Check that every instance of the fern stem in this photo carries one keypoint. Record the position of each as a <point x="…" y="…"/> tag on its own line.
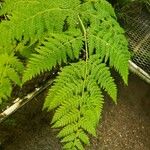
<point x="86" y="51"/>
<point x="85" y="76"/>
<point x="85" y="37"/>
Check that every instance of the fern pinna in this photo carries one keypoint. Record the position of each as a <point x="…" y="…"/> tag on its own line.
<point x="10" y="68"/>
<point x="85" y="38"/>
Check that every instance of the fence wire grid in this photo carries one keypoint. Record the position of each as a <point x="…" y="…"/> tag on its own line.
<point x="137" y="25"/>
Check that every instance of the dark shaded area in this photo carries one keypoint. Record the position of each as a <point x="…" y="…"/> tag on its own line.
<point x="124" y="126"/>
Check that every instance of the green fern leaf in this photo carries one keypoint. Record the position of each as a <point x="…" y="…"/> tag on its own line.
<point x="5" y="90"/>
<point x="10" y="70"/>
<point x="32" y="18"/>
<point x="55" y="51"/>
<point x="76" y="110"/>
<point x="83" y="137"/>
<point x="66" y="107"/>
<point x="69" y="118"/>
<point x="69" y="129"/>
<point x="69" y="138"/>
<point x="13" y="75"/>
<point x="78" y="144"/>
<point x="88" y="126"/>
<point x="103" y="37"/>
<point x="68" y="145"/>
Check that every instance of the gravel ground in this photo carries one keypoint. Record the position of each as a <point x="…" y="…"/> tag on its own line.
<point x="125" y="126"/>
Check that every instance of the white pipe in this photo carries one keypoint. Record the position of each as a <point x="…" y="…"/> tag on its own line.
<point x="140" y="72"/>
<point x="18" y="103"/>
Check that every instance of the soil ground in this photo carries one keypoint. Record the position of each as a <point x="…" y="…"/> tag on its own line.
<point x="125" y="126"/>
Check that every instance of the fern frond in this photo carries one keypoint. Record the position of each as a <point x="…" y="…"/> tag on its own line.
<point x="53" y="51"/>
<point x="10" y="70"/>
<point x="103" y="76"/>
<point x="78" y="101"/>
<point x="32" y="18"/>
<point x="104" y="35"/>
<point x="107" y="39"/>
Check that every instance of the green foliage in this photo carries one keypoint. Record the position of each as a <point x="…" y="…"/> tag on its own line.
<point x="78" y="100"/>
<point x="10" y="68"/>
<point x="83" y="36"/>
<point x="54" y="50"/>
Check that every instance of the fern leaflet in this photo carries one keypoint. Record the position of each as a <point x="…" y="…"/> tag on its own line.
<point x="10" y="70"/>
<point x="54" y="50"/>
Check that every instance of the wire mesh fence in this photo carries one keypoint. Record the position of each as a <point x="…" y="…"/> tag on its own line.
<point x="137" y="25"/>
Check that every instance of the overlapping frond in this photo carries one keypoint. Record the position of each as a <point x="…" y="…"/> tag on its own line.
<point x="10" y="69"/>
<point x="55" y="49"/>
<point x="30" y="19"/>
<point x="108" y="40"/>
<point x="78" y="100"/>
